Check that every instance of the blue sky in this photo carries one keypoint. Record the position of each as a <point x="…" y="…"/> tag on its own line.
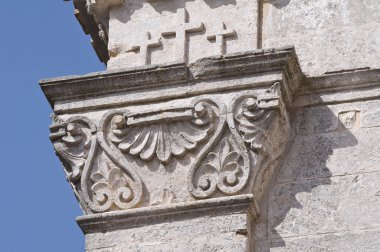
<point x="38" y="39"/>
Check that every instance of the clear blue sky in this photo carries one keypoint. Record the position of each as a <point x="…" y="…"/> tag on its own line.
<point x="38" y="39"/>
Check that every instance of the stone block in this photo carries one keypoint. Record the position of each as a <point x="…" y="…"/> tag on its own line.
<point x="333" y="154"/>
<point x="316" y="120"/>
<point x="205" y="233"/>
<point x="334" y="49"/>
<point x="294" y="16"/>
<point x="346" y="116"/>
<point x="328" y="35"/>
<point x="320" y="206"/>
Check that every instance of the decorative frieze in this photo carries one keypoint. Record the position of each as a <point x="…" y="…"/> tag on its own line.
<point x="226" y="142"/>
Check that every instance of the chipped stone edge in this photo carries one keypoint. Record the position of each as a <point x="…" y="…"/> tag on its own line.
<point x="166" y="75"/>
<point x="140" y="216"/>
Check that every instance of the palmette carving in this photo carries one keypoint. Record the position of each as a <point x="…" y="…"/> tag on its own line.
<point x="258" y="121"/>
<point x="105" y="186"/>
<point x="222" y="170"/>
<point x="232" y="146"/>
<point x="111" y="188"/>
<point x="163" y="134"/>
<point x="223" y="164"/>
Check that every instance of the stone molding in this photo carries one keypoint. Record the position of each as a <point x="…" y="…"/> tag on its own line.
<point x="260" y="62"/>
<point x="225" y="142"/>
<point x="232" y="142"/>
<point x="344" y="86"/>
<point x="142" y="216"/>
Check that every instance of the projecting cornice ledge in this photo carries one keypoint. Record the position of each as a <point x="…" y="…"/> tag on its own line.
<point x="282" y="62"/>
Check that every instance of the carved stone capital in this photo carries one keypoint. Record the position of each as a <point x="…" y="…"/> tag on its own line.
<point x="173" y="149"/>
<point x="229" y="143"/>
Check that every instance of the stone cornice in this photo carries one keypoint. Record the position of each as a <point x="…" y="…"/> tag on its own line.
<point x="281" y="60"/>
<point x="338" y="87"/>
<point x="342" y="80"/>
<point x="141" y="216"/>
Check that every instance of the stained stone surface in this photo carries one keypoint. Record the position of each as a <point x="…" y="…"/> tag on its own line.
<point x="208" y="233"/>
<point x="154" y="32"/>
<point x="192" y="141"/>
<point x="328" y="35"/>
<point x="326" y="197"/>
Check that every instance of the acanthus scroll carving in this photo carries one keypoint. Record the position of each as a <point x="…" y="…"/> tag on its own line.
<point x="257" y="121"/>
<point x="229" y="145"/>
<point x="99" y="186"/>
<point x="263" y="122"/>
<point x="72" y="141"/>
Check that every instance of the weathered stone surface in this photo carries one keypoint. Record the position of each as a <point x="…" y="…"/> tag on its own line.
<point x="196" y="142"/>
<point x="209" y="225"/>
<point x="328" y="35"/>
<point x="185" y="30"/>
<point x="202" y="234"/>
<point x="173" y="151"/>
<point x="348" y="116"/>
<point x="333" y="154"/>
<point x="326" y="205"/>
<point x="359" y="240"/>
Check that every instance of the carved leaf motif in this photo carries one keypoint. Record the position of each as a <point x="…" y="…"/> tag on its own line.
<point x="169" y="134"/>
<point x="262" y="121"/>
<point x="254" y="123"/>
<point x="72" y="141"/>
<point x="111" y="189"/>
<point x="222" y="170"/>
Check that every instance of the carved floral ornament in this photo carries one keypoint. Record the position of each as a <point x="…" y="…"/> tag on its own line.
<point x="230" y="143"/>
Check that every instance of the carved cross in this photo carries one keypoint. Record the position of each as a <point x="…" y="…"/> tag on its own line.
<point x="219" y="37"/>
<point x="180" y="30"/>
<point x="143" y="47"/>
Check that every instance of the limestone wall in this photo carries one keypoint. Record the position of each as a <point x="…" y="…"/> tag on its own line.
<point x="329" y="35"/>
<point x="327" y="193"/>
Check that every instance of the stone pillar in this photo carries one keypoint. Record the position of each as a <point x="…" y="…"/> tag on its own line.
<point x="194" y="139"/>
<point x="173" y="147"/>
<point x="174" y="157"/>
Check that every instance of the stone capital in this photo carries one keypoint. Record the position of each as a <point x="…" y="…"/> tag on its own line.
<point x="178" y="137"/>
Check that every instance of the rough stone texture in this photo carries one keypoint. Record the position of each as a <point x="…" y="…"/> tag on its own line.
<point x="328" y="35"/>
<point x="153" y="151"/>
<point x="174" y="150"/>
<point x="326" y="197"/>
<point x="205" y="233"/>
<point x="154" y="32"/>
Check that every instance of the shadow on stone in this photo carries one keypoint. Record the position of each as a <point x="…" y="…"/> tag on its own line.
<point x="318" y="133"/>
